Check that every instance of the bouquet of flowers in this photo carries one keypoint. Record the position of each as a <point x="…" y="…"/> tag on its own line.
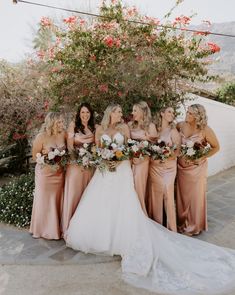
<point x="195" y="150"/>
<point x="85" y="155"/>
<point x="56" y="158"/>
<point x="110" y="152"/>
<point x="138" y="149"/>
<point x="161" y="151"/>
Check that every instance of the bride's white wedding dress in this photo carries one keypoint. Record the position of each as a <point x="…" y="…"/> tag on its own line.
<point x="109" y="220"/>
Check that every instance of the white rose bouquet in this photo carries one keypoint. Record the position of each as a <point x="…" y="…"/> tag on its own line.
<point x="138" y="149"/>
<point x="195" y="150"/>
<point x="162" y="151"/>
<point x="55" y="157"/>
<point x="85" y="155"/>
<point x="109" y="154"/>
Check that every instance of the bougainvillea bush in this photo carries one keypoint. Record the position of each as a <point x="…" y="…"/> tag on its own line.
<point x="22" y="99"/>
<point x="117" y="58"/>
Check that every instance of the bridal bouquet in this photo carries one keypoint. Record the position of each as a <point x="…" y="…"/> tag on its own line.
<point x="195" y="150"/>
<point x="161" y="151"/>
<point x="85" y="155"/>
<point x="109" y="153"/>
<point x="138" y="149"/>
<point x="56" y="158"/>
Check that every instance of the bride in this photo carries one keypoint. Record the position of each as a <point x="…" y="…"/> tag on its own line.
<point x="109" y="220"/>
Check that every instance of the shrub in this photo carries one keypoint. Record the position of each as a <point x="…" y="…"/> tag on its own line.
<point x="21" y="99"/>
<point x="226" y="94"/>
<point x="16" y="199"/>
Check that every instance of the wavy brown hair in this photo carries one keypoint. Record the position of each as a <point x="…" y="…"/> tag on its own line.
<point x="78" y="122"/>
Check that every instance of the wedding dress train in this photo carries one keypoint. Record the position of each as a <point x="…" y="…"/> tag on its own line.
<point x="109" y="220"/>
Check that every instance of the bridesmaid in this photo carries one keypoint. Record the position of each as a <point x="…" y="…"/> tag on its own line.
<point x="192" y="175"/>
<point x="49" y="182"/>
<point x="141" y="128"/>
<point x="162" y="174"/>
<point x="77" y="178"/>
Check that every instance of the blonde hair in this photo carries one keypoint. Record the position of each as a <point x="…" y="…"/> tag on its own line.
<point x="200" y="115"/>
<point x="49" y="125"/>
<point x="107" y="116"/>
<point x="158" y="118"/>
<point x="147" y="117"/>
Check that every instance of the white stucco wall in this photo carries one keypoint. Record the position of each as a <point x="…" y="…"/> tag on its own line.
<point x="221" y="118"/>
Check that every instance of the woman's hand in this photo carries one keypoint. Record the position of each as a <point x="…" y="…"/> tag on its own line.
<point x="112" y="165"/>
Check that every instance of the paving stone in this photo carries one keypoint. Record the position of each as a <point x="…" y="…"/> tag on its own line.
<point x="64" y="254"/>
<point x="18" y="247"/>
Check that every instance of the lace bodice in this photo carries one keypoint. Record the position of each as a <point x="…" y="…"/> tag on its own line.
<point x="118" y="138"/>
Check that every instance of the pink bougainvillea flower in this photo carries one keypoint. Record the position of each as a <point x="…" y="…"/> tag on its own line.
<point x="109" y="41"/>
<point x="17" y="136"/>
<point x="152" y="20"/>
<point x="40" y="54"/>
<point x="103" y="88"/>
<point x="40" y="116"/>
<point x="55" y="69"/>
<point x="82" y="22"/>
<point x="29" y="123"/>
<point x="182" y="20"/>
<point x="117" y="43"/>
<point x="92" y="57"/>
<point x="120" y="94"/>
<point x="45" y="22"/>
<point x="213" y="47"/>
<point x="132" y="11"/>
<point x="46" y="105"/>
<point x="139" y="58"/>
<point x="70" y="20"/>
<point x="51" y="52"/>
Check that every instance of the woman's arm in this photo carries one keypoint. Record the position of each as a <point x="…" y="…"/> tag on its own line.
<point x="126" y="132"/>
<point x="151" y="135"/>
<point x="37" y="146"/>
<point x="212" y="140"/>
<point x="70" y="137"/>
<point x="98" y="132"/>
<point x="176" y="139"/>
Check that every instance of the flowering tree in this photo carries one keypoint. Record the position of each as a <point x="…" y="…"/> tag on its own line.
<point x="22" y="100"/>
<point x="122" y="57"/>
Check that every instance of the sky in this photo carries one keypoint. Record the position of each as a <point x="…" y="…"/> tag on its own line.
<point x="18" y="23"/>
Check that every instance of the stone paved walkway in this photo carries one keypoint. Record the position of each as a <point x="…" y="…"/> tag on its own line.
<point x="20" y="251"/>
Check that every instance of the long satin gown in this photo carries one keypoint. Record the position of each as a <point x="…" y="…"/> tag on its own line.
<point x="47" y="202"/>
<point x="76" y="180"/>
<point x="109" y="220"/>
<point x="140" y="168"/>
<point x="161" y="187"/>
<point x="191" y="193"/>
